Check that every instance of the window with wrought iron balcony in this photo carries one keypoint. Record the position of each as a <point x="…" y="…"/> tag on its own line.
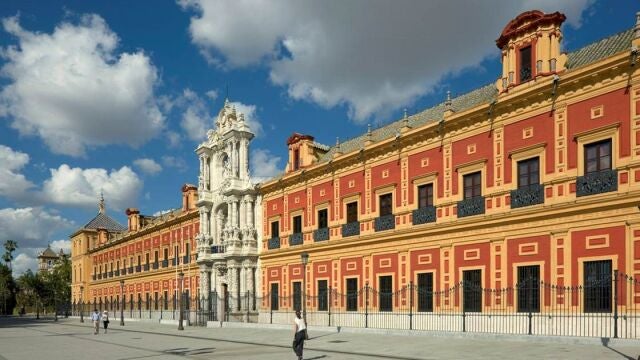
<point x="426" y="212"/>
<point x="473" y="201"/>
<point x="529" y="191"/>
<point x="322" y="232"/>
<point x="352" y="227"/>
<point x="599" y="176"/>
<point x="386" y="220"/>
<point x="296" y="238"/>
<point x="274" y="241"/>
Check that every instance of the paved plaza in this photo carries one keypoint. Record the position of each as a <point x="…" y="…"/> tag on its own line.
<point x="69" y="339"/>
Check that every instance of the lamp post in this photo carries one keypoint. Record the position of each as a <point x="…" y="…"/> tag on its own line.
<point x="181" y="276"/>
<point x="305" y="260"/>
<point x="121" y="302"/>
<point x="81" y="303"/>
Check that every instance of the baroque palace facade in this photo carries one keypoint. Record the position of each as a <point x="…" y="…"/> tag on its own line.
<point x="147" y="255"/>
<point x="534" y="178"/>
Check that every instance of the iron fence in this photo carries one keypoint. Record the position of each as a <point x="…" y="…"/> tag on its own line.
<point x="606" y="307"/>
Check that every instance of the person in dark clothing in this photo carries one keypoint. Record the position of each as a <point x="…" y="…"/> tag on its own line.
<point x="300" y="330"/>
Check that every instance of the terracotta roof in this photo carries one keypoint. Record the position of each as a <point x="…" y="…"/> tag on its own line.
<point x="486" y="94"/>
<point x="104" y="221"/>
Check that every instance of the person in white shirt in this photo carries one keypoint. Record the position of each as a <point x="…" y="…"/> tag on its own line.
<point x="105" y="320"/>
<point x="95" y="317"/>
<point x="300" y="333"/>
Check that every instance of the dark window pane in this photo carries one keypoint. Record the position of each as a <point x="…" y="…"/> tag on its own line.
<point x="274" y="296"/>
<point x="323" y="219"/>
<point x="297" y="224"/>
<point x="425" y="195"/>
<point x="597" y="156"/>
<point x="425" y="292"/>
<point x="297" y="295"/>
<point x="473" y="185"/>
<point x="528" y="172"/>
<point x="472" y="296"/>
<point x="322" y="295"/>
<point x="385" y="293"/>
<point x="352" y="294"/>
<point x="352" y="212"/>
<point x="597" y="286"/>
<point x="529" y="288"/>
<point x="275" y="229"/>
<point x="525" y="63"/>
<point x="386" y="205"/>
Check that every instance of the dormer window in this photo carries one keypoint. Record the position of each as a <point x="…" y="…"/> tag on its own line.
<point x="525" y="64"/>
<point x="296" y="159"/>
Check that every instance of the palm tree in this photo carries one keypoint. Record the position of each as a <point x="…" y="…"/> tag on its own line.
<point x="9" y="247"/>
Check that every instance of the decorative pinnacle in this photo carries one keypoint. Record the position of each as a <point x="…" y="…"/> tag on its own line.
<point x="369" y="129"/>
<point x="405" y="113"/>
<point x="101" y="203"/>
<point x="448" y="102"/>
<point x="337" y="141"/>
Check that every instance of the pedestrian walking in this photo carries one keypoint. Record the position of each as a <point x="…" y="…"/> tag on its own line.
<point x="300" y="333"/>
<point x="105" y="320"/>
<point x="95" y="317"/>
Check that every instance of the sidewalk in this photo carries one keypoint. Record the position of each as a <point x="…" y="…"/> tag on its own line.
<point x="371" y="343"/>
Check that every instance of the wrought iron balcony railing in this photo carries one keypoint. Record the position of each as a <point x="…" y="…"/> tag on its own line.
<point x="273" y="243"/>
<point x="130" y="269"/>
<point x="99" y="276"/>
<point x="165" y="263"/>
<point x="110" y="274"/>
<point x="321" y="234"/>
<point x="123" y="271"/>
<point x="217" y="249"/>
<point x="138" y="268"/>
<point x="186" y="259"/>
<point x="155" y="265"/>
<point x="527" y="196"/>
<point x="94" y="277"/>
<point x="525" y="74"/>
<point x="424" y="215"/>
<point x="296" y="239"/>
<point x="351" y="229"/>
<point x="145" y="267"/>
<point x="471" y="206"/>
<point x="116" y="273"/>
<point x="174" y="261"/>
<point x="385" y="222"/>
<point x="597" y="183"/>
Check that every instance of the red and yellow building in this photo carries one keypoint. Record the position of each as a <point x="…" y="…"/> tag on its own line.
<point x="537" y="175"/>
<point x="147" y="254"/>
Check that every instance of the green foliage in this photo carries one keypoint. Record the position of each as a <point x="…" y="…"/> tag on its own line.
<point x="9" y="247"/>
<point x="8" y="290"/>
<point x="47" y="289"/>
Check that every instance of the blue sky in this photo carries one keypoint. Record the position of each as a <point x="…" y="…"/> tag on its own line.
<point x="116" y="95"/>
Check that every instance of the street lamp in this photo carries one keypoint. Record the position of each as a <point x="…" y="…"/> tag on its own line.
<point x="305" y="260"/>
<point x="121" y="302"/>
<point x="181" y="276"/>
<point x="81" y="304"/>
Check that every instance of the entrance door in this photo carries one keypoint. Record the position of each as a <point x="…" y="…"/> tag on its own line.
<point x="225" y="309"/>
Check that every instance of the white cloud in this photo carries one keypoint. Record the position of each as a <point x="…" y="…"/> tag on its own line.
<point x="81" y="187"/>
<point x="31" y="227"/>
<point x="375" y="61"/>
<point x="174" y="139"/>
<point x="23" y="262"/>
<point x="175" y="162"/>
<point x="250" y="116"/>
<point x="212" y="94"/>
<point x="196" y="118"/>
<point x="65" y="245"/>
<point x="264" y="165"/>
<point x="74" y="90"/>
<point x="162" y="212"/>
<point x="12" y="183"/>
<point x="148" y="166"/>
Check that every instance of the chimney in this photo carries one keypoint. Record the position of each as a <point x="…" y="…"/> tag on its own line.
<point x="133" y="219"/>
<point x="189" y="197"/>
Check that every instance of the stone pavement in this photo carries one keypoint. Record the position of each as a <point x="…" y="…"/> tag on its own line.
<point x="26" y="338"/>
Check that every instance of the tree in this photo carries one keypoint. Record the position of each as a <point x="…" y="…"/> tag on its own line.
<point x="8" y="290"/>
<point x="9" y="247"/>
<point x="32" y="290"/>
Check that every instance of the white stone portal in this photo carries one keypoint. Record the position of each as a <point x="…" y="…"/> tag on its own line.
<point x="229" y="204"/>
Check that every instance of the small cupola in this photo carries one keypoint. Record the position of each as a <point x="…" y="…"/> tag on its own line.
<point x="530" y="46"/>
<point x="303" y="151"/>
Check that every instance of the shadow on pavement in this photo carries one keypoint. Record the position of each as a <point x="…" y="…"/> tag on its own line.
<point x="605" y="343"/>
